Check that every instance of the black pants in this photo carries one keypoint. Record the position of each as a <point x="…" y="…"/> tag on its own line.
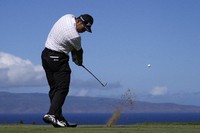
<point x="58" y="73"/>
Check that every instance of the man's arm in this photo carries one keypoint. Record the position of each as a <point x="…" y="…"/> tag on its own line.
<point x="77" y="56"/>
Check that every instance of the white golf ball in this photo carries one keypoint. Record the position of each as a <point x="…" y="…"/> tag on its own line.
<point x="149" y="65"/>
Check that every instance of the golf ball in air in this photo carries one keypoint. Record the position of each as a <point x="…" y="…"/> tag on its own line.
<point x="149" y="65"/>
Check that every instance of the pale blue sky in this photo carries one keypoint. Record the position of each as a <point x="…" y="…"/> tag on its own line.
<point x="127" y="36"/>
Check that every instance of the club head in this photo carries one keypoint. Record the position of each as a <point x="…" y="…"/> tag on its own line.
<point x="104" y="85"/>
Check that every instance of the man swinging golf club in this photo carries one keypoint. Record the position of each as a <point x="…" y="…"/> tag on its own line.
<point x="63" y="38"/>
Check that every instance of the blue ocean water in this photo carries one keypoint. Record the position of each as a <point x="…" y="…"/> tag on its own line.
<point x="101" y="119"/>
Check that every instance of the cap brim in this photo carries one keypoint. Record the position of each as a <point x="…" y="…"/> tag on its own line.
<point x="88" y="29"/>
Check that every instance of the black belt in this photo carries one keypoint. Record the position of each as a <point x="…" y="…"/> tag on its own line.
<point x="53" y="51"/>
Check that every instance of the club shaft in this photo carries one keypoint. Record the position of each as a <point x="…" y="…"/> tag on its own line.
<point x="93" y="76"/>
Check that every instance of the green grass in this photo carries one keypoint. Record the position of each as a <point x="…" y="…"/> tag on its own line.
<point x="138" y="128"/>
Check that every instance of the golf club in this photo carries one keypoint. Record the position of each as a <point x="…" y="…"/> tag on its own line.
<point x="94" y="76"/>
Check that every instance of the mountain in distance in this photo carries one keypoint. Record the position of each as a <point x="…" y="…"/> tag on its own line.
<point x="24" y="103"/>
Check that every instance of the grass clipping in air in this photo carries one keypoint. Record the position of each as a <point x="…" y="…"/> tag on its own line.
<point x="126" y="101"/>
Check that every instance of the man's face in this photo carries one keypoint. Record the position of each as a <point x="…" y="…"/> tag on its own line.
<point x="80" y="26"/>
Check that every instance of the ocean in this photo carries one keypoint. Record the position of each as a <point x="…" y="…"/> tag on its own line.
<point x="102" y="119"/>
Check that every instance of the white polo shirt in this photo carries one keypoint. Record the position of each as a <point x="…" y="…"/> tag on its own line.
<point x="63" y="36"/>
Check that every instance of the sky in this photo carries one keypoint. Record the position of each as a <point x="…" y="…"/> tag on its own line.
<point x="127" y="36"/>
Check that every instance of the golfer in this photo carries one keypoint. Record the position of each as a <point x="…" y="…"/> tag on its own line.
<point x="63" y="38"/>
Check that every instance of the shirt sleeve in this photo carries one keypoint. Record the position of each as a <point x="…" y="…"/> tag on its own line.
<point x="76" y="43"/>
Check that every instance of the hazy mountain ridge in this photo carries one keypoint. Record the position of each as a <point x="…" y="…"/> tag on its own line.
<point x="39" y="103"/>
